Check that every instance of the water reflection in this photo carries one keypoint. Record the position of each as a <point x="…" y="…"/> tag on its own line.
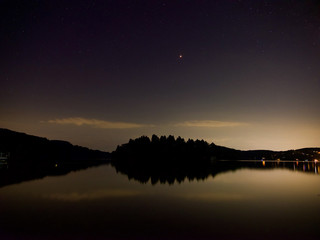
<point x="12" y="174"/>
<point x="241" y="200"/>
<point x="154" y="175"/>
<point x="91" y="195"/>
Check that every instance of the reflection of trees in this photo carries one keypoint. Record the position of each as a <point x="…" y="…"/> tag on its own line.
<point x="165" y="175"/>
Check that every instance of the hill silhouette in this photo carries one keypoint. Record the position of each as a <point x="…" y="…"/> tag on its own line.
<point x="28" y="149"/>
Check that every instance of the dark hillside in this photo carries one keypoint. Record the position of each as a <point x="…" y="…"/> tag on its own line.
<point x="28" y="149"/>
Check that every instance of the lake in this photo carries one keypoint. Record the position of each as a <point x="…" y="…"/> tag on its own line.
<point x="248" y="202"/>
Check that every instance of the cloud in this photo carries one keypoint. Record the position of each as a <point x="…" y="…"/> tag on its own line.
<point x="210" y="124"/>
<point x="79" y="121"/>
<point x="97" y="123"/>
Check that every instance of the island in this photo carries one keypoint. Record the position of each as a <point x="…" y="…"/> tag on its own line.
<point x="169" y="159"/>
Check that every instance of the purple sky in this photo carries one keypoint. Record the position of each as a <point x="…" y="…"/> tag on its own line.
<point x="97" y="73"/>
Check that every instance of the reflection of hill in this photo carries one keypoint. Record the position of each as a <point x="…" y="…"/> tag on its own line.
<point x="170" y="176"/>
<point x="13" y="175"/>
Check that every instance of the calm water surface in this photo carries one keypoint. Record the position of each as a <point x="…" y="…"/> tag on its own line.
<point x="98" y="203"/>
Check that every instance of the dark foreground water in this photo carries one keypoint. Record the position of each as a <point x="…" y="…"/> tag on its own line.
<point x="98" y="203"/>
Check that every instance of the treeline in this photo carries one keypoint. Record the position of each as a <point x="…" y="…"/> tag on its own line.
<point x="144" y="149"/>
<point x="164" y="148"/>
<point x="178" y="150"/>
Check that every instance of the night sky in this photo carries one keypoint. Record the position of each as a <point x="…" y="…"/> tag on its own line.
<point x="243" y="74"/>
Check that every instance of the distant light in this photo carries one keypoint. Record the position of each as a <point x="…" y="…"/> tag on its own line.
<point x="180" y="56"/>
<point x="56" y="165"/>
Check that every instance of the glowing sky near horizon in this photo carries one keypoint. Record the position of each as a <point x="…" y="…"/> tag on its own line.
<point x="243" y="74"/>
